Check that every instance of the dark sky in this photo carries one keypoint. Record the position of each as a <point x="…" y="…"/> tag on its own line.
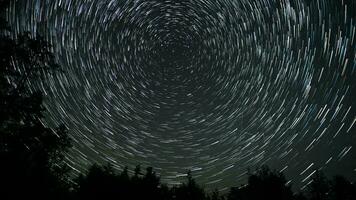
<point x="212" y="86"/>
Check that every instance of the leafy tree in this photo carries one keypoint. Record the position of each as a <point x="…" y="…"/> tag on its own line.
<point x="31" y="154"/>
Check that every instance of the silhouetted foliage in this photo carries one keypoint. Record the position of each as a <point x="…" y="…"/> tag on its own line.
<point x="319" y="187"/>
<point x="138" y="186"/>
<point x="336" y="189"/>
<point x="189" y="191"/>
<point x="31" y="154"/>
<point x="264" y="184"/>
<point x="99" y="182"/>
<point x="342" y="189"/>
<point x="299" y="196"/>
<point x="215" y="195"/>
<point x="102" y="182"/>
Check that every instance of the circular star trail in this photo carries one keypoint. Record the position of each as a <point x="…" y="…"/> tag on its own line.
<point x="212" y="86"/>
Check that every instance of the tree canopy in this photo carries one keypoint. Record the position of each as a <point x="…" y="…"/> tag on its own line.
<point x="31" y="154"/>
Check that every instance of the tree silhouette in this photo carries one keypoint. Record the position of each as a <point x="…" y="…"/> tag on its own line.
<point x="189" y="191"/>
<point x="264" y="184"/>
<point x="102" y="182"/>
<point x="215" y="195"/>
<point x="99" y="182"/>
<point x="319" y="187"/>
<point x="336" y="189"/>
<point x="299" y="196"/>
<point x="342" y="189"/>
<point x="150" y="183"/>
<point x="31" y="154"/>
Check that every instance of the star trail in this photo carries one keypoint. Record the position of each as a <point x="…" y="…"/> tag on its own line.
<point x="211" y="86"/>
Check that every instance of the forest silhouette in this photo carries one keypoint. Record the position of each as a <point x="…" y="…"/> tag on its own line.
<point x="32" y="155"/>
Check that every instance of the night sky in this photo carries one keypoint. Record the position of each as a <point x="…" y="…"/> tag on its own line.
<point x="212" y="86"/>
